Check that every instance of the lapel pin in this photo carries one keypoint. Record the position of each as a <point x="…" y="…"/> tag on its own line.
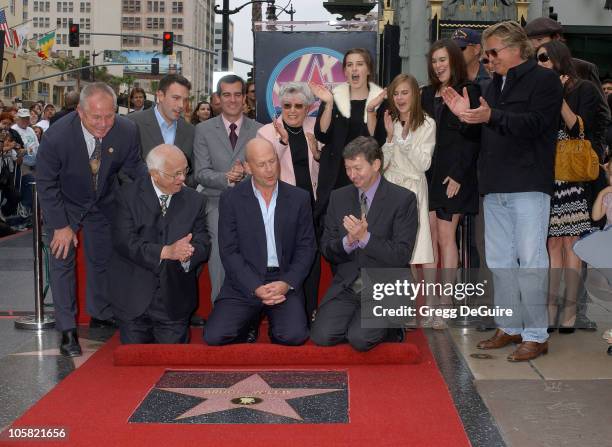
<point x="110" y="150"/>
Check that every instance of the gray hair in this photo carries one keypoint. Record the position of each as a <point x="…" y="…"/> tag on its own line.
<point x="156" y="158"/>
<point x="296" y="88"/>
<point x="96" y="87"/>
<point x="366" y="146"/>
<point x="511" y="34"/>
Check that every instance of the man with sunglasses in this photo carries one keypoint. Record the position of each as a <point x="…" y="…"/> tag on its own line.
<point x="469" y="42"/>
<point x="519" y="112"/>
<point x="160" y="239"/>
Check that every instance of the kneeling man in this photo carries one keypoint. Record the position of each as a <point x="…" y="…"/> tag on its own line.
<point x="382" y="236"/>
<point x="159" y="240"/>
<point x="267" y="246"/>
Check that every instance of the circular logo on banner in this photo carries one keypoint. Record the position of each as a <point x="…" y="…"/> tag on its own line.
<point x="313" y="64"/>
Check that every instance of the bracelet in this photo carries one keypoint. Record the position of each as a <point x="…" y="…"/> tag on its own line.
<point x="371" y="110"/>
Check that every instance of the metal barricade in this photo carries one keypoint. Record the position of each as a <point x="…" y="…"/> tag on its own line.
<point x="38" y="321"/>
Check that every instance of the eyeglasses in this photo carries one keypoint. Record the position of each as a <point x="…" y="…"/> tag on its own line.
<point x="485" y="61"/>
<point x="494" y="52"/>
<point x="184" y="173"/>
<point x="288" y="106"/>
<point x="543" y="57"/>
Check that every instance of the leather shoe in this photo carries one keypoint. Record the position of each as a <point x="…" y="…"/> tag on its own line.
<point x="499" y="340"/>
<point x="528" y="350"/>
<point x="94" y="323"/>
<point x="70" y="344"/>
<point x="197" y="321"/>
<point x="253" y="333"/>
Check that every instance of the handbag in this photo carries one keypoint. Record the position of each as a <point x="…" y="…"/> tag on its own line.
<point x="575" y="160"/>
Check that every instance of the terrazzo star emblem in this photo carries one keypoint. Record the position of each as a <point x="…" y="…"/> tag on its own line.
<point x="253" y="393"/>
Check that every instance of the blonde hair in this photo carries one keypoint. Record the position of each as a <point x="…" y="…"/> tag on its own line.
<point x="511" y="34"/>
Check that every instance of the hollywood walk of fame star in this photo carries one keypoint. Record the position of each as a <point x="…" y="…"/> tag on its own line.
<point x="253" y="393"/>
<point x="89" y="347"/>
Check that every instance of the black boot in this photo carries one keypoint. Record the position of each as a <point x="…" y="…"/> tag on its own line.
<point x="70" y="344"/>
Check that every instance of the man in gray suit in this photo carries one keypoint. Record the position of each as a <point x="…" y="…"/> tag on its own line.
<point x="164" y="123"/>
<point x="218" y="154"/>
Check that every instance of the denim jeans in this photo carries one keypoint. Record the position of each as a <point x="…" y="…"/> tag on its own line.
<point x="516" y="230"/>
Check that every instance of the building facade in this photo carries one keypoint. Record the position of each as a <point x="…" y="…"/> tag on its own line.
<point x="218" y="40"/>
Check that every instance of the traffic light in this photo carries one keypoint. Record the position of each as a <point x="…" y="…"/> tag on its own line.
<point x="155" y="66"/>
<point x="168" y="42"/>
<point x="73" y="35"/>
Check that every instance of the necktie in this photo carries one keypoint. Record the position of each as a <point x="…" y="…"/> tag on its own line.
<point x="363" y="201"/>
<point x="163" y="200"/>
<point x="94" y="162"/>
<point x="233" y="136"/>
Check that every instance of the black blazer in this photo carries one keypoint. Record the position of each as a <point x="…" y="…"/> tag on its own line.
<point x="139" y="234"/>
<point x="585" y="100"/>
<point x="392" y="223"/>
<point x="455" y="154"/>
<point x="242" y="238"/>
<point x="519" y="141"/>
<point x="63" y="175"/>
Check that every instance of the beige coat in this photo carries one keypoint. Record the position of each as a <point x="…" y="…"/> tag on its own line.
<point x="284" y="152"/>
<point x="405" y="163"/>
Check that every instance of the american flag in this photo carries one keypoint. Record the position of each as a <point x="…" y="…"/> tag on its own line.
<point x="8" y="40"/>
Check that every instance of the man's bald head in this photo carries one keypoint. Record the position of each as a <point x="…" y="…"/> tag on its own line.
<point x="262" y="163"/>
<point x="158" y="156"/>
<point x="256" y="147"/>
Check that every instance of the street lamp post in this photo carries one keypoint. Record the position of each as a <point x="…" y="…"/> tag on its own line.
<point x="225" y="12"/>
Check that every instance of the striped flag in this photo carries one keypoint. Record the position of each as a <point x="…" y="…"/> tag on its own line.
<point x="8" y="36"/>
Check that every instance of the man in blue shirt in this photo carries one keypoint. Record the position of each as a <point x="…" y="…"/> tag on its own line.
<point x="267" y="246"/>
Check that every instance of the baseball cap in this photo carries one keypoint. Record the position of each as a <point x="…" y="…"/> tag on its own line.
<point x="466" y="36"/>
<point x="23" y="113"/>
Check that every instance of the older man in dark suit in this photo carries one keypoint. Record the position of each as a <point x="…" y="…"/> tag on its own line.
<point x="267" y="244"/>
<point x="159" y="241"/>
<point x="77" y="164"/>
<point x="383" y="236"/>
<point x="218" y="153"/>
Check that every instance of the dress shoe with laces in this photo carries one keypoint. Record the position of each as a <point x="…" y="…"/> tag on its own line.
<point x="499" y="340"/>
<point x="95" y="323"/>
<point x="528" y="350"/>
<point x="70" y="344"/>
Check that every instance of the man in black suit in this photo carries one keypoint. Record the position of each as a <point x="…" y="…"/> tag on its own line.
<point x="267" y="245"/>
<point x="160" y="239"/>
<point x="383" y="236"/>
<point x="77" y="164"/>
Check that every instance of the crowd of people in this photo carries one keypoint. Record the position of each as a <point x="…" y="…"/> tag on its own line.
<point x="380" y="178"/>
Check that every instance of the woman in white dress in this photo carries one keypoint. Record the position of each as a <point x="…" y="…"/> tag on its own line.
<point x="411" y="137"/>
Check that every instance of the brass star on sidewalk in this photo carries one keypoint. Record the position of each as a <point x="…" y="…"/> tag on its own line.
<point x="89" y="347"/>
<point x="253" y="393"/>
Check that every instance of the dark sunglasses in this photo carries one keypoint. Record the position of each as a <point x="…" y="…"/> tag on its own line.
<point x="494" y="52"/>
<point x="484" y="60"/>
<point x="288" y="106"/>
<point x="543" y="57"/>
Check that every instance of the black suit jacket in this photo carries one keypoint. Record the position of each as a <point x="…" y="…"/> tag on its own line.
<point x="63" y="175"/>
<point x="242" y="238"/>
<point x="139" y="234"/>
<point x="392" y="223"/>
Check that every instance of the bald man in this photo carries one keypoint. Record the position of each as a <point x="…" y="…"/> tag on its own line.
<point x="267" y="246"/>
<point x="160" y="239"/>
